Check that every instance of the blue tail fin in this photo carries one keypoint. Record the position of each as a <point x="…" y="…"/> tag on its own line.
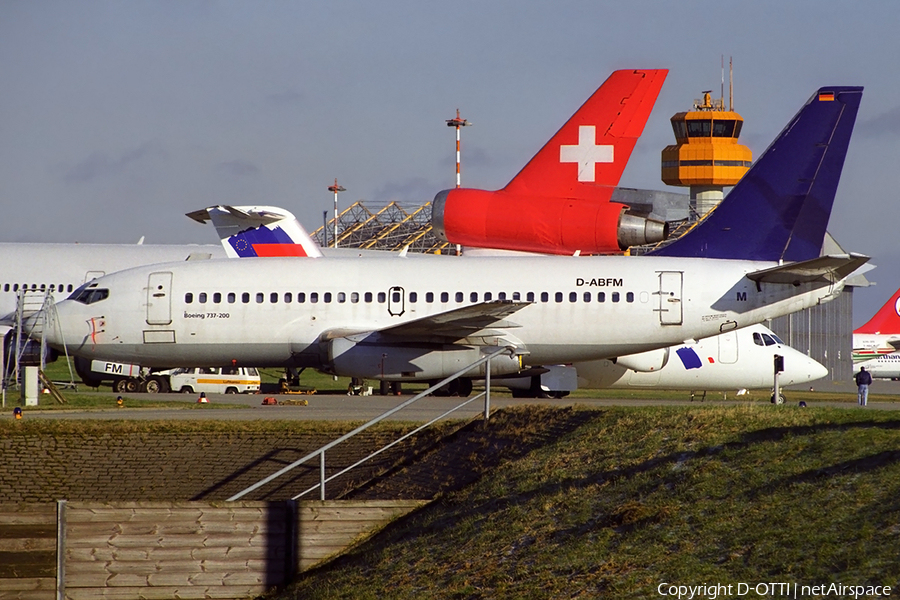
<point x="779" y="210"/>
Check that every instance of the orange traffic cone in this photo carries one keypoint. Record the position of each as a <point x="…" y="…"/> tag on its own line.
<point x="202" y="399"/>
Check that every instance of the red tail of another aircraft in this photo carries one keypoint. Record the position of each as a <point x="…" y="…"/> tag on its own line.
<point x="559" y="203"/>
<point x="886" y="320"/>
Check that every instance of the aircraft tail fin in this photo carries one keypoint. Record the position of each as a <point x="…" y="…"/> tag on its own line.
<point x="779" y="210"/>
<point x="886" y="320"/>
<point x="247" y="231"/>
<point x="596" y="142"/>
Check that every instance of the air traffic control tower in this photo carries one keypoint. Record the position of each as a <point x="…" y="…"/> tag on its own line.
<point x="707" y="156"/>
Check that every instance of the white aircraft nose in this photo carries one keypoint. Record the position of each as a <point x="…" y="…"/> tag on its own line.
<point x="799" y="368"/>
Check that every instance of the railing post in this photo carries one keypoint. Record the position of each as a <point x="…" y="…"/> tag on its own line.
<point x="322" y="476"/>
<point x="60" y="550"/>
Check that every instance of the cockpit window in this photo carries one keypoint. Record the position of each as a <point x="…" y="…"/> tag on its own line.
<point x="89" y="295"/>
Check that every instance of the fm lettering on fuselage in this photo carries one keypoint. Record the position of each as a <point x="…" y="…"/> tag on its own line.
<point x="599" y="282"/>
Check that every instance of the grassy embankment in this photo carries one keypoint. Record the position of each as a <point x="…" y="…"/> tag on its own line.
<point x="641" y="496"/>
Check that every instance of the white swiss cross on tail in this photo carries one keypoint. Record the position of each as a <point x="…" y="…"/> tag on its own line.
<point x="587" y="153"/>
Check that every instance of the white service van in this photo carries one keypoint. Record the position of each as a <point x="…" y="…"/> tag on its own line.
<point x="214" y="380"/>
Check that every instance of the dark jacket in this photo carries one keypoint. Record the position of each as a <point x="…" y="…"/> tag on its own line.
<point x="863" y="378"/>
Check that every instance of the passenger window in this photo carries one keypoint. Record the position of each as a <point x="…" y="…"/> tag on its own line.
<point x="288" y="297"/>
<point x="395" y="296"/>
<point x="341" y="297"/>
<point x="587" y="296"/>
<point x="473" y="297"/>
<point x="517" y="296"/>
<point x="5" y="287"/>
<point x="545" y="297"/>
<point x="629" y="297"/>
<point x="301" y="297"/>
<point x="217" y="298"/>
<point x="354" y="297"/>
<point x="368" y="297"/>
<point x="327" y="297"/>
<point x="459" y="297"/>
<point x="231" y="297"/>
<point x="260" y="297"/>
<point x="273" y="297"/>
<point x="429" y="297"/>
<point x="202" y="298"/>
<point x="529" y="297"/>
<point x="501" y="296"/>
<point x="16" y="287"/>
<point x="601" y="296"/>
<point x="69" y="288"/>
<point x="573" y="296"/>
<point x="445" y="297"/>
<point x="488" y="296"/>
<point x="245" y="297"/>
<point x="558" y="296"/>
<point x="188" y="298"/>
<point x="615" y="296"/>
<point x="313" y="297"/>
<point x="382" y="297"/>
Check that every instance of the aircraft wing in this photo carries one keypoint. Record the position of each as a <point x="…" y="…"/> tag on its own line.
<point x="832" y="267"/>
<point x="461" y="322"/>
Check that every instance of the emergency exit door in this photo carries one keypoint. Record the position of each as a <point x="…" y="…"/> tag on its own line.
<point x="159" y="301"/>
<point x="670" y="288"/>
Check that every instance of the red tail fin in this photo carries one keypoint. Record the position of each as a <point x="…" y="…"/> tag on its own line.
<point x="594" y="145"/>
<point x="886" y="320"/>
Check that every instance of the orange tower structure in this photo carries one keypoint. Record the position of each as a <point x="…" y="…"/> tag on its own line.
<point x="707" y="156"/>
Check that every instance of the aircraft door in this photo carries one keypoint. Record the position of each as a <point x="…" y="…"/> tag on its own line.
<point x="728" y="347"/>
<point x="396" y="301"/>
<point x="670" y="287"/>
<point x="159" y="301"/>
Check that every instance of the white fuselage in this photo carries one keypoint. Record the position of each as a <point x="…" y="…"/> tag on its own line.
<point x="60" y="268"/>
<point x="885" y="366"/>
<point x="871" y="345"/>
<point x="742" y="359"/>
<point x="580" y="308"/>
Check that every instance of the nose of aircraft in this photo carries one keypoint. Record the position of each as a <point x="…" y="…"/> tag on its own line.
<point x="799" y="368"/>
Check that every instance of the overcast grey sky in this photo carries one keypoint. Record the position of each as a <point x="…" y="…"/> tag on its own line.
<point x="116" y="118"/>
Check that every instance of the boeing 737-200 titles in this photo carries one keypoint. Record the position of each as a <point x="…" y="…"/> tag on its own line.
<point x="757" y="256"/>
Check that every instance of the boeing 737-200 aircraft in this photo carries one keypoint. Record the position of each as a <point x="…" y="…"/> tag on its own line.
<point x="402" y="319"/>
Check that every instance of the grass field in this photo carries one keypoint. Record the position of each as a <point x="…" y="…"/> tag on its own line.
<point x="638" y="497"/>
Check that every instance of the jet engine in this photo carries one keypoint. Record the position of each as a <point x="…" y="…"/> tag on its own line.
<point x="353" y="356"/>
<point x="506" y="221"/>
<point x="645" y="362"/>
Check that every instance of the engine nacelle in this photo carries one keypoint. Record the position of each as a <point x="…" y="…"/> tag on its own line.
<point x="507" y="221"/>
<point x="354" y="357"/>
<point x="645" y="362"/>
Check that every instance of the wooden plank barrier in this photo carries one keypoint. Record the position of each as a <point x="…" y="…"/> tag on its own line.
<point x="28" y="551"/>
<point x="177" y="549"/>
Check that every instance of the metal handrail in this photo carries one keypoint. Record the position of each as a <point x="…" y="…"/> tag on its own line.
<point x="321" y="451"/>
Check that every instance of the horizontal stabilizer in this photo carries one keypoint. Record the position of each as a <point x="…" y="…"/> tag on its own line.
<point x="248" y="231"/>
<point x="833" y="267"/>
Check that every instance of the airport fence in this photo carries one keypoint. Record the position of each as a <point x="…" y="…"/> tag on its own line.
<point x="161" y="550"/>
